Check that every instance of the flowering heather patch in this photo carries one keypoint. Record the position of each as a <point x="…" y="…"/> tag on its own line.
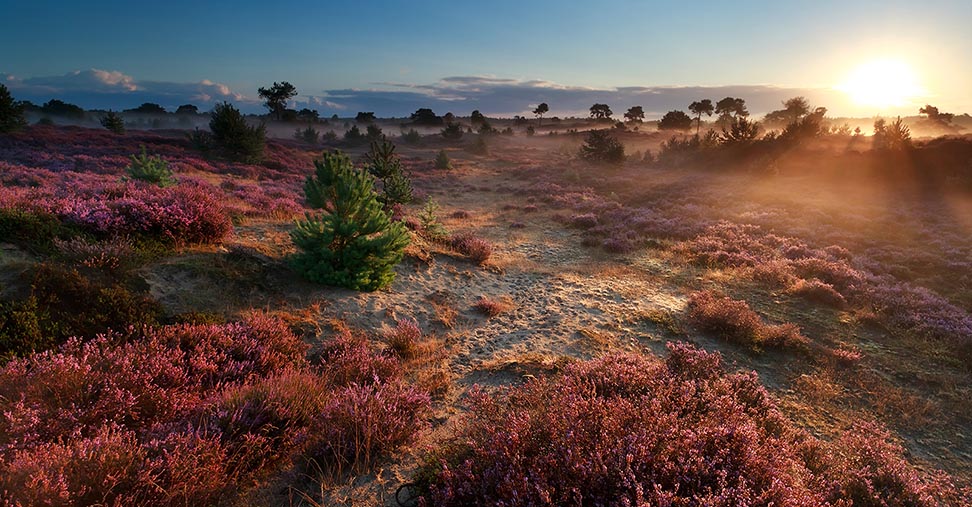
<point x="180" y="214"/>
<point x="184" y="414"/>
<point x="630" y="430"/>
<point x="477" y="249"/>
<point x="733" y="320"/>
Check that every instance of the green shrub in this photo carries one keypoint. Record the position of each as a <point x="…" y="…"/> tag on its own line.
<point x="154" y="170"/>
<point x="33" y="230"/>
<point x="384" y="164"/>
<point x="442" y="161"/>
<point x="479" y="146"/>
<point x="309" y="135"/>
<point x="432" y="228"/>
<point x="352" y="242"/>
<point x="24" y="329"/>
<point x="234" y="137"/>
<point x="452" y="131"/>
<point x="354" y="135"/>
<point x="601" y="147"/>
<point x="113" y="122"/>
<point x="412" y="137"/>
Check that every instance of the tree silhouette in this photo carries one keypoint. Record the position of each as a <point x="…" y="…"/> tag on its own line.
<point x="675" y="120"/>
<point x="364" y="117"/>
<point x="895" y="136"/>
<point x="699" y="108"/>
<point x="11" y="112"/>
<point x="940" y="119"/>
<point x="635" y="114"/>
<point x="147" y="108"/>
<point x="793" y="110"/>
<point x="276" y="97"/>
<point x="425" y="116"/>
<point x="113" y="122"/>
<point x="740" y="130"/>
<point x="729" y="108"/>
<point x="187" y="109"/>
<point x="601" y="112"/>
<point x="477" y="118"/>
<point x="541" y="110"/>
<point x="60" y="108"/>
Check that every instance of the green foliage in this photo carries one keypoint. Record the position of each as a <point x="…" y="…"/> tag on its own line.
<point x="364" y="117"/>
<point x="541" y="110"/>
<point x="373" y="133"/>
<point x="24" y="329"/>
<point x="309" y="135"/>
<point x="352" y="242"/>
<point x="530" y="131"/>
<point x="382" y="160"/>
<point x="385" y="165"/>
<point x="147" y="108"/>
<point x="432" y="228"/>
<point x="442" y="161"/>
<point x="11" y="112"/>
<point x="396" y="188"/>
<point x="33" y="230"/>
<point x="601" y="147"/>
<point x="452" y="131"/>
<point x="113" y="122"/>
<point x="412" y="137"/>
<point x="234" y="137"/>
<point x="65" y="303"/>
<point x="354" y="135"/>
<point x="479" y="146"/>
<point x="153" y="169"/>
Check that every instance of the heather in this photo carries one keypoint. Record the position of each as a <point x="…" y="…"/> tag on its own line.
<point x="631" y="430"/>
<point x="191" y="413"/>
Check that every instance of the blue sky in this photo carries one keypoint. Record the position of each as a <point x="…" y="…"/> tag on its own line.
<point x="388" y="56"/>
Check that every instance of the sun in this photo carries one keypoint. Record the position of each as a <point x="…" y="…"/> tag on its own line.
<point x="882" y="84"/>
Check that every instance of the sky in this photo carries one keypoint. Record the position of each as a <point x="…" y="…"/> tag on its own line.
<point x="501" y="57"/>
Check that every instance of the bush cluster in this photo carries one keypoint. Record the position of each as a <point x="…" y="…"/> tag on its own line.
<point x="630" y="430"/>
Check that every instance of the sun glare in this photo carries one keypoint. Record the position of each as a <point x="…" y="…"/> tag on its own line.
<point x="882" y="84"/>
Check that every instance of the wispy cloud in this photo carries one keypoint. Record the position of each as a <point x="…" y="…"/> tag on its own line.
<point x="95" y="88"/>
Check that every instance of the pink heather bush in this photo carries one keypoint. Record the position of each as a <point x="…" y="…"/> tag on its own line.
<point x="733" y="320"/>
<point x="185" y="414"/>
<point x="630" y="430"/>
<point x="477" y="249"/>
<point x="178" y="214"/>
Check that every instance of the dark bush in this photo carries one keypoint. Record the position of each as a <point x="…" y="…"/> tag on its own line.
<point x="233" y="137"/>
<point x="600" y="147"/>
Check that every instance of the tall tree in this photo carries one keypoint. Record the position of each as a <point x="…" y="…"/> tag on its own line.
<point x="730" y="108"/>
<point x="541" y="110"/>
<point x="701" y="107"/>
<point x="635" y="114"/>
<point x="601" y="112"/>
<point x="937" y="117"/>
<point x="276" y="97"/>
<point x="11" y="112"/>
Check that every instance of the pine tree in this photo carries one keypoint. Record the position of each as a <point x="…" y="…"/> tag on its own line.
<point x="113" y="122"/>
<point x="442" y="161"/>
<point x="352" y="242"/>
<point x="11" y="112"/>
<point x="384" y="164"/>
